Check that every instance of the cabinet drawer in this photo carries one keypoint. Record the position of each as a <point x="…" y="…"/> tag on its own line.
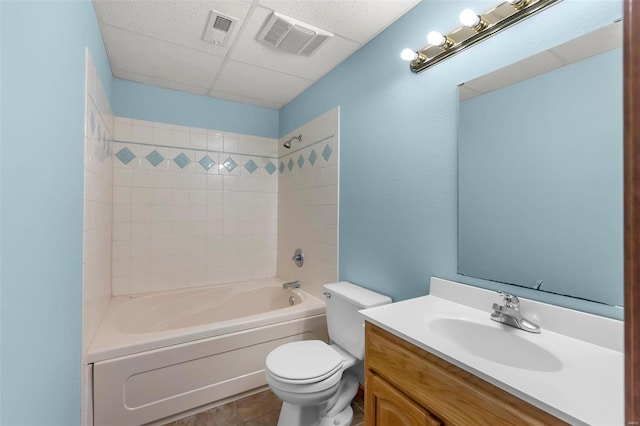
<point x="450" y="393"/>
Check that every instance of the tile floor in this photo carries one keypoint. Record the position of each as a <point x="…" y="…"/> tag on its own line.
<point x="260" y="409"/>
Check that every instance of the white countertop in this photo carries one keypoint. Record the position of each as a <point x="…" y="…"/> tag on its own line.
<point x="583" y="385"/>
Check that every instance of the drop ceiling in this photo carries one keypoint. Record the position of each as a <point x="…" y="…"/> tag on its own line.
<point x="160" y="43"/>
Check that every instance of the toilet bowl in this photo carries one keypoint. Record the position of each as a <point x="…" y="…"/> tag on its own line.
<point x="309" y="377"/>
<point x="312" y="378"/>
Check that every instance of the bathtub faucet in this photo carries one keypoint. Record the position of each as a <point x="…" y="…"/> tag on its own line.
<point x="292" y="284"/>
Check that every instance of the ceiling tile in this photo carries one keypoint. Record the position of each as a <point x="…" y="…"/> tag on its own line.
<point x="181" y="22"/>
<point x="261" y="83"/>
<point x="160" y="43"/>
<point x="249" y="50"/>
<point x="155" y="58"/>
<point x="245" y="99"/>
<point x="153" y="81"/>
<point x="358" y="20"/>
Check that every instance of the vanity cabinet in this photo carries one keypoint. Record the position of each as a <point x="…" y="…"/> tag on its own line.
<point x="406" y="385"/>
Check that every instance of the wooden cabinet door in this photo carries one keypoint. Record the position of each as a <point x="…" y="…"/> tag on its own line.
<point x="387" y="406"/>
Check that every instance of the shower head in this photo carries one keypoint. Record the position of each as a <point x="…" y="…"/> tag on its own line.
<point x="287" y="144"/>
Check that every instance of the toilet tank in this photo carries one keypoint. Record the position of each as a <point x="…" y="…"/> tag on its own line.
<point x="345" y="324"/>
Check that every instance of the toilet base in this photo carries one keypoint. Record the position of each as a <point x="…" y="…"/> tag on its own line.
<point x="343" y="418"/>
<point x="292" y="415"/>
<point x="335" y="412"/>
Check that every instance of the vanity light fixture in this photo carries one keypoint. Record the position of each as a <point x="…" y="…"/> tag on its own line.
<point x="474" y="29"/>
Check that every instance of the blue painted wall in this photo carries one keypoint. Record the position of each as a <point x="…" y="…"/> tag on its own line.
<point x="398" y="188"/>
<point x="143" y="102"/>
<point x="41" y="174"/>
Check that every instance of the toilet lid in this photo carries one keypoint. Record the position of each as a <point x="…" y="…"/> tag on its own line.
<point x="305" y="361"/>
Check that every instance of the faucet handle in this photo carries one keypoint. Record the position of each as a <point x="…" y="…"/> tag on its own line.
<point x="510" y="300"/>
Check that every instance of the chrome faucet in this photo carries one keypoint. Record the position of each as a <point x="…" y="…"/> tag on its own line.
<point x="292" y="284"/>
<point x="509" y="314"/>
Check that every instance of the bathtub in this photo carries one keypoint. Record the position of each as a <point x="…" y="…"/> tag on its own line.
<point x="157" y="355"/>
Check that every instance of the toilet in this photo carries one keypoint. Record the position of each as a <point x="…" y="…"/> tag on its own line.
<point x="312" y="377"/>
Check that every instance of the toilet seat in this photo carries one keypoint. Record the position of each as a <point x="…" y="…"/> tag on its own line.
<point x="276" y="383"/>
<point x="304" y="362"/>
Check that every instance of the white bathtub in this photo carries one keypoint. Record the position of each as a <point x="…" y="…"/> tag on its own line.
<point x="160" y="354"/>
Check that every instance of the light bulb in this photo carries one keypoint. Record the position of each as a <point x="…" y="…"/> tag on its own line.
<point x="434" y="38"/>
<point x="408" y="55"/>
<point x="469" y="18"/>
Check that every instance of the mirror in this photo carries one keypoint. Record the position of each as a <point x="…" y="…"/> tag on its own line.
<point x="540" y="150"/>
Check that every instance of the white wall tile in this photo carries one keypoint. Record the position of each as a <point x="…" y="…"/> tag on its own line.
<point x="198" y="181"/>
<point x="307" y="200"/>
<point x="231" y="143"/>
<point x="180" y="137"/>
<point x="121" y="177"/>
<point x="121" y="213"/>
<point x="180" y="227"/>
<point x="97" y="217"/>
<point x="215" y="141"/>
<point x="161" y="135"/>
<point x="121" y="231"/>
<point x="198" y="139"/>
<point x="122" y="129"/>
<point x="141" y="178"/>
<point x="141" y="131"/>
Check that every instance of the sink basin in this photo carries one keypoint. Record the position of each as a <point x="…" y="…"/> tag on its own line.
<point x="500" y="344"/>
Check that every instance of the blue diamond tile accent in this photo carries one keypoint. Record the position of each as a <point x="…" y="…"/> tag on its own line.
<point x="155" y="158"/>
<point x="326" y="153"/>
<point x="300" y="161"/>
<point x="92" y="121"/>
<point x="250" y="166"/>
<point x="313" y="157"/>
<point x="182" y="160"/>
<point x="270" y="168"/>
<point x="290" y="164"/>
<point x="206" y="162"/>
<point x="125" y="155"/>
<point x="281" y="167"/>
<point x="229" y="164"/>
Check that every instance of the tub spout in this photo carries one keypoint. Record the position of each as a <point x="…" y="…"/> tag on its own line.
<point x="292" y="284"/>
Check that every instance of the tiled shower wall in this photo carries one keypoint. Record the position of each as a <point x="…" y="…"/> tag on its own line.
<point x="308" y="203"/>
<point x="98" y="177"/>
<point x="97" y="220"/>
<point x="191" y="207"/>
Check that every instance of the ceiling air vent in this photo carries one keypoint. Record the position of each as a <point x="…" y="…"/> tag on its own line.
<point x="291" y="35"/>
<point x="219" y="28"/>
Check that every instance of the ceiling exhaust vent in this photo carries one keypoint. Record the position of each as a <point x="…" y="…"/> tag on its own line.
<point x="291" y="35"/>
<point x="219" y="28"/>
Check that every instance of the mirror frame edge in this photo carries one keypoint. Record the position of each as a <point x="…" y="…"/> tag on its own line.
<point x="631" y="66"/>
